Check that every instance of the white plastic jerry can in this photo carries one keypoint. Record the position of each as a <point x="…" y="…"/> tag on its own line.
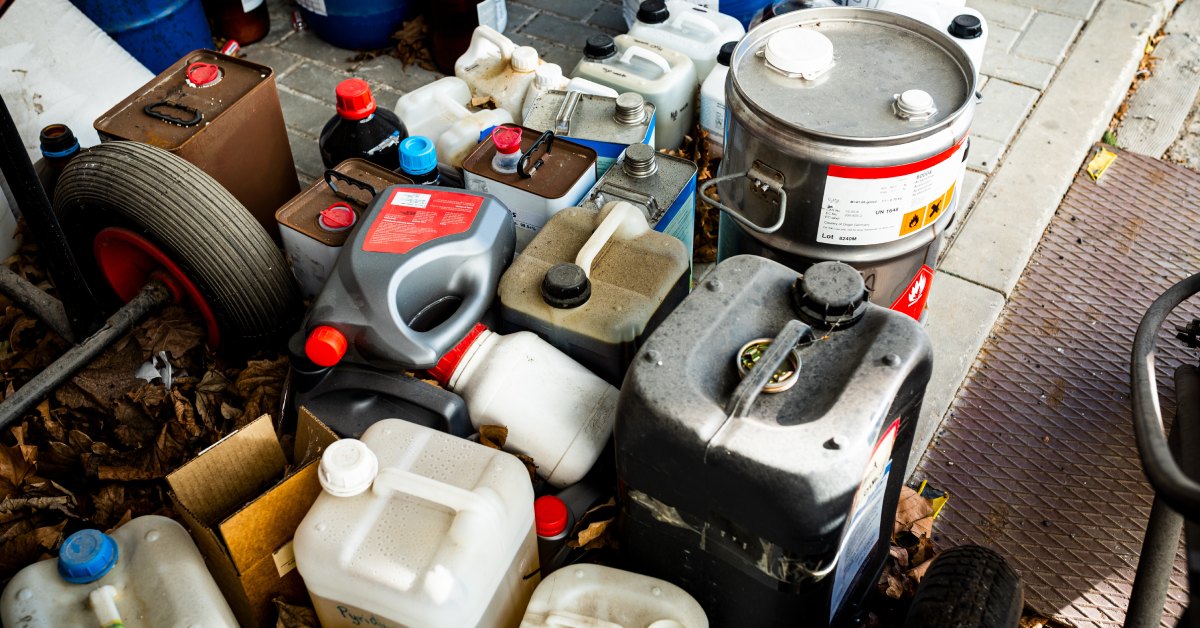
<point x="595" y="596"/>
<point x="440" y="112"/>
<point x="712" y="101"/>
<point x="416" y="527"/>
<point x="684" y="27"/>
<point x="494" y="67"/>
<point x="148" y="572"/>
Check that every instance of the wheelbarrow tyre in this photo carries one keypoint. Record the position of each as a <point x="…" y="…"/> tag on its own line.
<point x="197" y="223"/>
<point x="967" y="587"/>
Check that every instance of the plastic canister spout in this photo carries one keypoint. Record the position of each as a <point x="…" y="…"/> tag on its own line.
<point x="619" y="220"/>
<point x="508" y="149"/>
<point x="104" y="604"/>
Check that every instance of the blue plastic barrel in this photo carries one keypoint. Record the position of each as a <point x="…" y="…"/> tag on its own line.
<point x="156" y="32"/>
<point x="743" y="10"/>
<point x="358" y="24"/>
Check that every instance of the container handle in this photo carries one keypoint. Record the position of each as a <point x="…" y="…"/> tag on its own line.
<point x="793" y="333"/>
<point x="152" y="111"/>
<point x="562" y="119"/>
<point x="623" y="222"/>
<point x="764" y="179"/>
<point x="523" y="168"/>
<point x="696" y="21"/>
<point x="487" y="35"/>
<point x="396" y="480"/>
<point x="333" y="175"/>
<point x="648" y="55"/>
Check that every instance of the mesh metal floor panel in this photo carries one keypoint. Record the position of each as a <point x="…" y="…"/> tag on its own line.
<point x="1038" y="450"/>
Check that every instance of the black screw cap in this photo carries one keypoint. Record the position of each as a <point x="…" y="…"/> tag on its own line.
<point x="653" y="12"/>
<point x="726" y="53"/>
<point x="599" y="47"/>
<point x="830" y="294"/>
<point x="966" y="27"/>
<point x="566" y="286"/>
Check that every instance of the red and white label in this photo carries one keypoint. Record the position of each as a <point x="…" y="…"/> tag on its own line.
<point x="876" y="205"/>
<point x="912" y="300"/>
<point x="414" y="216"/>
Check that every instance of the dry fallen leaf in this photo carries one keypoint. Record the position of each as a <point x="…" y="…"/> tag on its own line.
<point x="294" y="616"/>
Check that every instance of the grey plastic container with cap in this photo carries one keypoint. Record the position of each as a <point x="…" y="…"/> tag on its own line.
<point x="761" y="473"/>
<point x="662" y="186"/>
<point x="595" y="284"/>
<point x="604" y="124"/>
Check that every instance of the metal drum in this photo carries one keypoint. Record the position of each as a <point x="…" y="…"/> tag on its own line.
<point x="846" y="141"/>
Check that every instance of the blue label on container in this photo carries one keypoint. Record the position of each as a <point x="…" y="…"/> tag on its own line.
<point x="680" y="219"/>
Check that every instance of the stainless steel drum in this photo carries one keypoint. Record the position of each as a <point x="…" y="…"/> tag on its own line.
<point x="846" y="140"/>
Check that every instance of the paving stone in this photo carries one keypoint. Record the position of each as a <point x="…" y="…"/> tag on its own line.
<point x="389" y="71"/>
<point x="1019" y="70"/>
<point x="518" y="16"/>
<point x="1002" y="110"/>
<point x="307" y="44"/>
<point x="1047" y="37"/>
<point x="560" y="30"/>
<point x="578" y="9"/>
<point x="1185" y="20"/>
<point x="609" y="19"/>
<point x="1072" y="8"/>
<point x="271" y="57"/>
<point x="1162" y="102"/>
<point x="317" y="81"/>
<point x="304" y="113"/>
<point x="1000" y="13"/>
<point x="973" y="182"/>
<point x="306" y="152"/>
<point x="984" y="154"/>
<point x="1000" y="40"/>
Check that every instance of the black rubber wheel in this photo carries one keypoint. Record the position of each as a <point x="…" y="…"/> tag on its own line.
<point x="967" y="587"/>
<point x="201" y="227"/>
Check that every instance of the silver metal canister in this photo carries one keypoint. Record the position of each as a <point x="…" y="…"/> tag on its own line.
<point x="846" y="141"/>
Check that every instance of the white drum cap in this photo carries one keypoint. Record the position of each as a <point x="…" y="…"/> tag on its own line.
<point x="348" y="467"/>
<point x="914" y="104"/>
<point x="524" y="59"/>
<point x="799" y="52"/>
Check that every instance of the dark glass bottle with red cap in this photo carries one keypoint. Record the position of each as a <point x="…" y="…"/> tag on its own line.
<point x="361" y="129"/>
<point x="247" y="21"/>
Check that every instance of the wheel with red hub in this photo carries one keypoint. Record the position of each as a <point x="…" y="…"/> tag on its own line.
<point x="132" y="213"/>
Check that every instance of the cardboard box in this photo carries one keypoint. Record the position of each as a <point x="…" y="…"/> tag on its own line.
<point x="243" y="507"/>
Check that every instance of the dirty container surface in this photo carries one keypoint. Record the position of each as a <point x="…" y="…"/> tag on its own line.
<point x="418" y="528"/>
<point x="663" y="186"/>
<point x="599" y="596"/>
<point x="147" y="572"/>
<point x="794" y="471"/>
<point x="597" y="315"/>
<point x="313" y="234"/>
<point x="607" y="125"/>
<point x="155" y="32"/>
<point x="415" y="277"/>
<point x="222" y="114"/>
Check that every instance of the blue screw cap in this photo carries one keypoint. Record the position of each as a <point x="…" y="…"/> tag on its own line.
<point x="417" y="155"/>
<point x="86" y="556"/>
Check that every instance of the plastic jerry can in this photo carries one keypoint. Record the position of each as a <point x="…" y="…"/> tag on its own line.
<point x="361" y="129"/>
<point x="607" y="125"/>
<point x="549" y="76"/>
<point x="414" y="279"/>
<point x="595" y="284"/>
<point x="556" y="411"/>
<point x="595" y="596"/>
<point x="662" y="76"/>
<point x="663" y="186"/>
<point x="494" y="67"/>
<point x="549" y="174"/>
<point x="221" y="114"/>
<point x="316" y="223"/>
<point x="440" y="112"/>
<point x="793" y="427"/>
<point x="148" y="572"/>
<point x="712" y="102"/>
<point x="418" y="528"/>
<point x="684" y="27"/>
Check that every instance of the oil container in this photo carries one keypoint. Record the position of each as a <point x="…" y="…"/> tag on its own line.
<point x="552" y="174"/>
<point x="594" y="284"/>
<point x="418" y="274"/>
<point x="418" y="528"/>
<point x="441" y="112"/>
<point x="549" y="76"/>
<point x="316" y="223"/>
<point x="598" y="596"/>
<point x="663" y="186"/>
<point x="361" y="129"/>
<point x="221" y="114"/>
<point x="806" y="178"/>
<point x="605" y="124"/>
<point x="762" y="473"/>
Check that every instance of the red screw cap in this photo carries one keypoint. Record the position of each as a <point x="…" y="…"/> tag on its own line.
<point x="550" y="515"/>
<point x="325" y="346"/>
<point x="444" y="369"/>
<point x="354" y="99"/>
<point x="507" y="139"/>
<point x="201" y="73"/>
<point x="336" y="217"/>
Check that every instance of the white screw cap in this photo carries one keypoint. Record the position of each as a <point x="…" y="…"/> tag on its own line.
<point x="914" y="104"/>
<point x="548" y="76"/>
<point x="524" y="59"/>
<point x="347" y="468"/>
<point x="801" y="52"/>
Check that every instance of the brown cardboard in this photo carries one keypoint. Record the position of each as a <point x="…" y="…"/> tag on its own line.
<point x="242" y="510"/>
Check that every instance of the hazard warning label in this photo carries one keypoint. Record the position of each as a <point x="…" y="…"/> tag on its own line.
<point x="912" y="300"/>
<point x="414" y="216"/>
<point x="877" y="205"/>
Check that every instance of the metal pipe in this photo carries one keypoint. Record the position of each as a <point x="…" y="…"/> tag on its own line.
<point x="35" y="301"/>
<point x="1155" y="564"/>
<point x="76" y="358"/>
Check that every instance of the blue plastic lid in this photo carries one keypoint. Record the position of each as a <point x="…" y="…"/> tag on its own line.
<point x="86" y="556"/>
<point x="417" y="155"/>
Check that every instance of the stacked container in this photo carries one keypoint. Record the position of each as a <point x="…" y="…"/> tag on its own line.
<point x="684" y="27"/>
<point x="607" y="125"/>
<point x="440" y="112"/>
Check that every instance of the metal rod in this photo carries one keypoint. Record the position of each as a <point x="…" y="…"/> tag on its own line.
<point x="35" y="301"/>
<point x="76" y="358"/>
<point x="83" y="310"/>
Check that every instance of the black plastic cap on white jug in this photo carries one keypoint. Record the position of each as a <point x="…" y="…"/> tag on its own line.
<point x="726" y="53"/>
<point x="653" y="12"/>
<point x="966" y="26"/>
<point x="566" y="286"/>
<point x="599" y="47"/>
<point x="830" y="294"/>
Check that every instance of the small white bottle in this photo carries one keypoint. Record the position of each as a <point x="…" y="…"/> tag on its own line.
<point x="556" y="411"/>
<point x="712" y="102"/>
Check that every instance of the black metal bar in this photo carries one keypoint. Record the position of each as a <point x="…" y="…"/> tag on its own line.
<point x="36" y="302"/>
<point x="152" y="295"/>
<point x="1155" y="562"/>
<point x="83" y="310"/>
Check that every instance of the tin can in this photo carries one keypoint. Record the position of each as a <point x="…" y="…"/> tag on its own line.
<point x="807" y="178"/>
<point x="606" y="125"/>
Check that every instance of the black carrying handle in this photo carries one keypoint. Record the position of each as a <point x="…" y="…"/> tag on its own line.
<point x="333" y="175"/>
<point x="523" y="164"/>
<point x="751" y="386"/>
<point x="152" y="111"/>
